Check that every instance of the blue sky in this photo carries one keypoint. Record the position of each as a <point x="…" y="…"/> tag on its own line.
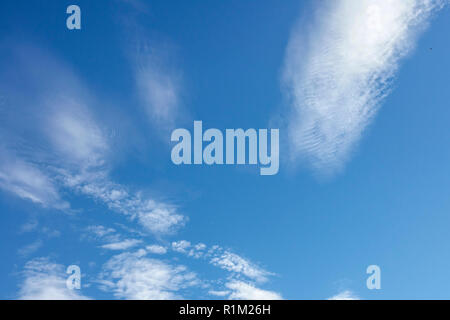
<point x="358" y="89"/>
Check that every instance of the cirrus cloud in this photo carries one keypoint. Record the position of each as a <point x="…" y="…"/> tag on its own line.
<point x="339" y="70"/>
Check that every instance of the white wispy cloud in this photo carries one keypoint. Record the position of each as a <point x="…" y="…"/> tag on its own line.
<point x="155" y="216"/>
<point x="74" y="132"/>
<point x="156" y="249"/>
<point x="219" y="293"/>
<point x="29" y="226"/>
<point x="159" y="92"/>
<point x="122" y="245"/>
<point x="74" y="145"/>
<point x="90" y="175"/>
<point x="134" y="276"/>
<point x="45" y="280"/>
<point x="100" y="231"/>
<point x="239" y="266"/>
<point x="158" y="79"/>
<point x="246" y="291"/>
<point x="240" y="290"/>
<point x="339" y="69"/>
<point x="196" y="251"/>
<point x="25" y="180"/>
<point x="138" y="5"/>
<point x="30" y="248"/>
<point x="181" y="246"/>
<point x="345" y="295"/>
<point x="50" y="233"/>
<point x="157" y="75"/>
<point x="33" y="226"/>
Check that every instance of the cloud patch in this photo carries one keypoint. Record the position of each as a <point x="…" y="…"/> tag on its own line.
<point x="122" y="245"/>
<point x="339" y="69"/>
<point x="345" y="295"/>
<point x="45" y="280"/>
<point x="27" y="181"/>
<point x="134" y="276"/>
<point x="246" y="291"/>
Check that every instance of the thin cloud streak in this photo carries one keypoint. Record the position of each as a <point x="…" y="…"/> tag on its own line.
<point x="134" y="276"/>
<point x="27" y="181"/>
<point x="246" y="291"/>
<point x="31" y="248"/>
<point x="123" y="274"/>
<point x="122" y="245"/>
<point x="158" y="88"/>
<point x="243" y="275"/>
<point x="224" y="259"/>
<point x="338" y="71"/>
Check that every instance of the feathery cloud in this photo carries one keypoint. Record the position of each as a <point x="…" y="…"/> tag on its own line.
<point x="224" y="259"/>
<point x="339" y="70"/>
<point x="157" y="77"/>
<point x="122" y="245"/>
<point x="245" y="291"/>
<point x="73" y="155"/>
<point x="45" y="280"/>
<point x="26" y="181"/>
<point x="158" y="89"/>
<point x="100" y="231"/>
<point x="75" y="147"/>
<point x="239" y="266"/>
<point x="134" y="276"/>
<point x="156" y="249"/>
<point x="345" y="295"/>
<point x="29" y="226"/>
<point x="30" y="248"/>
